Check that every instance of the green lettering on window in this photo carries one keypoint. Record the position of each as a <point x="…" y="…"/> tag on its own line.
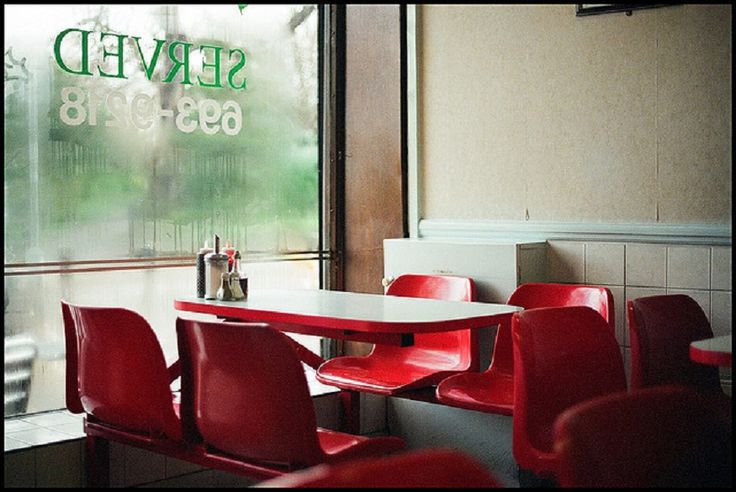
<point x="118" y="54"/>
<point x="234" y="70"/>
<point x="177" y="64"/>
<point x="148" y="68"/>
<point x="84" y="68"/>
<point x="215" y="66"/>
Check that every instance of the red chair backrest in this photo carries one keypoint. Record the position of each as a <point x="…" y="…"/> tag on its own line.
<point x="121" y="371"/>
<point x="244" y="392"/>
<point x="562" y="356"/>
<point x="661" y="329"/>
<point x="459" y="344"/>
<point x="71" y="344"/>
<point x="537" y="295"/>
<point x="664" y="436"/>
<point x="426" y="468"/>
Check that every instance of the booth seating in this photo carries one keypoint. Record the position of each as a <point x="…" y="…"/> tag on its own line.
<point x="492" y="391"/>
<point x="562" y="356"/>
<point x="661" y="329"/>
<point x="117" y="376"/>
<point x="662" y="436"/>
<point x="426" y="468"/>
<point x="389" y="369"/>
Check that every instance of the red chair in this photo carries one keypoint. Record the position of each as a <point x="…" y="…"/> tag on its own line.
<point x="661" y="329"/>
<point x="663" y="436"/>
<point x="492" y="391"/>
<point x="388" y="369"/>
<point x="427" y="468"/>
<point x="245" y="396"/>
<point x="562" y="356"/>
<point x="116" y="374"/>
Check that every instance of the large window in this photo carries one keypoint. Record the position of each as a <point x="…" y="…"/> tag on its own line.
<point x="133" y="134"/>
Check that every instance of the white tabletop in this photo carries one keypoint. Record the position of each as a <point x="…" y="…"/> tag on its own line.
<point x="354" y="311"/>
<point x="714" y="351"/>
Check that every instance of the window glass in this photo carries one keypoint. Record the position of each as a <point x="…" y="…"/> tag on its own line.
<point x="133" y="134"/>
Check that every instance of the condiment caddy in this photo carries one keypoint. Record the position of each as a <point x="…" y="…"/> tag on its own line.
<point x="220" y="273"/>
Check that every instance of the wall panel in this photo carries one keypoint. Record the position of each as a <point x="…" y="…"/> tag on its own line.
<point x="531" y="113"/>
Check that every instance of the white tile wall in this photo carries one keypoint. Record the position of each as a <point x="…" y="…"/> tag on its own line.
<point x="566" y="261"/>
<point x="604" y="263"/>
<point x="646" y="265"/>
<point x="688" y="267"/>
<point x="634" y="292"/>
<point x="619" y="305"/>
<point x="721" y="312"/>
<point x="720" y="276"/>
<point x="633" y="270"/>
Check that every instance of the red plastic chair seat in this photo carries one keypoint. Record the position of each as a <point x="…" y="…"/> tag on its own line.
<point x="340" y="446"/>
<point x="427" y="468"/>
<point x="492" y="391"/>
<point x="373" y="375"/>
<point x="245" y="395"/>
<point x="489" y="391"/>
<point x="389" y="370"/>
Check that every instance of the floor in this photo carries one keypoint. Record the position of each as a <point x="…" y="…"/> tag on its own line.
<point x="41" y="429"/>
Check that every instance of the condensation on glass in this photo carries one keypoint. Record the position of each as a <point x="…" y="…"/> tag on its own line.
<point x="133" y="133"/>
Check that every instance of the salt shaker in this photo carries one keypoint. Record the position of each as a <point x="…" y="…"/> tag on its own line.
<point x="235" y="286"/>
<point x="224" y="293"/>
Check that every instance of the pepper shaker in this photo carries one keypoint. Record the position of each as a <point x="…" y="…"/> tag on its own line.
<point x="215" y="266"/>
<point x="235" y="278"/>
<point x="242" y="274"/>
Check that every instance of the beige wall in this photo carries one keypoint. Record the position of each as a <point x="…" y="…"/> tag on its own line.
<point x="531" y="113"/>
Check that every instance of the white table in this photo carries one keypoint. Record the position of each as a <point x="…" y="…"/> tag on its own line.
<point x="714" y="351"/>
<point x="373" y="318"/>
